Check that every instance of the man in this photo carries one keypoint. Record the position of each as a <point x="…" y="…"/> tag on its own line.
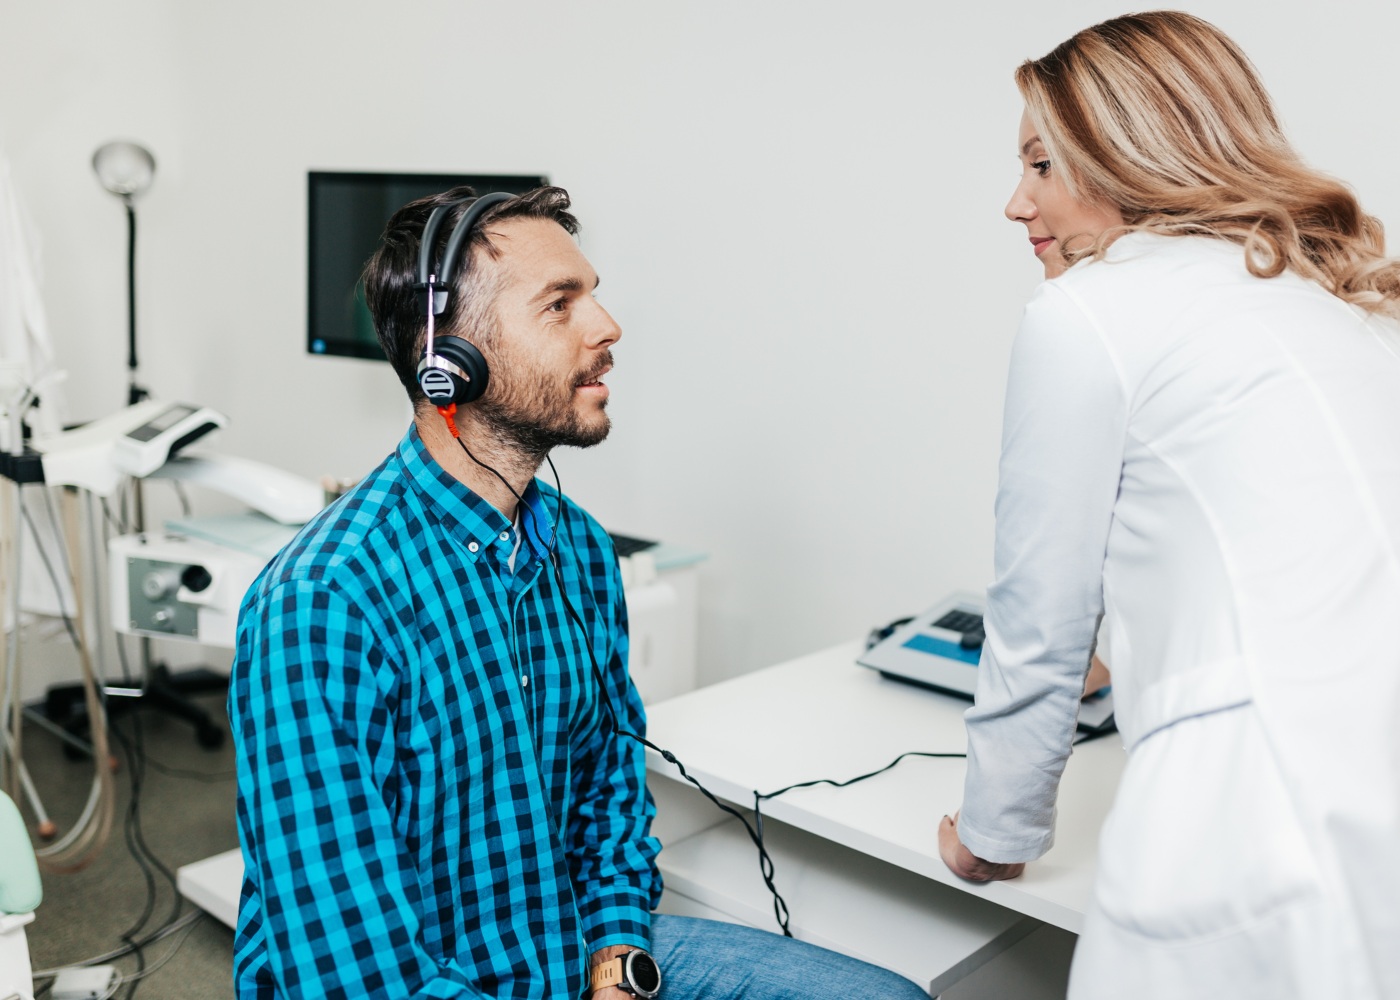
<point x="432" y="798"/>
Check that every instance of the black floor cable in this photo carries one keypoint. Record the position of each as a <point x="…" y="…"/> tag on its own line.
<point x="146" y="858"/>
<point x="185" y="774"/>
<point x="112" y="728"/>
<point x="134" y="750"/>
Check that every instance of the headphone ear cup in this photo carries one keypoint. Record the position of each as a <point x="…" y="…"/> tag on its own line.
<point x="466" y="383"/>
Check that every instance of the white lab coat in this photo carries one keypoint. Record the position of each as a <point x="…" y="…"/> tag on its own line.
<point x="26" y="361"/>
<point x="24" y="333"/>
<point x="1212" y="460"/>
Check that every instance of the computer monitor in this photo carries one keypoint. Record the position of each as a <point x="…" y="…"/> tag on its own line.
<point x="346" y="213"/>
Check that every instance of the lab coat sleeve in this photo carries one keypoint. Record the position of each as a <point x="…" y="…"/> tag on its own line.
<point x="1061" y="460"/>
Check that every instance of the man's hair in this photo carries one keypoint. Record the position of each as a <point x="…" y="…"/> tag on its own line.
<point x="400" y="310"/>
<point x="1161" y="115"/>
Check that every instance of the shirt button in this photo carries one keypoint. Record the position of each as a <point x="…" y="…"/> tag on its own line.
<point x="525" y="680"/>
<point x="472" y="546"/>
<point x="505" y="536"/>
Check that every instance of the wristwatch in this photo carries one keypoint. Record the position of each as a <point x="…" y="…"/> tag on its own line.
<point x="635" y="973"/>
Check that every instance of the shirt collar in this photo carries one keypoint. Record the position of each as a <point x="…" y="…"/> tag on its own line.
<point x="538" y="520"/>
<point x="467" y="515"/>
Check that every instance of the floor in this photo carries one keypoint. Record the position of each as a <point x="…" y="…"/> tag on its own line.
<point x="1036" y="968"/>
<point x="186" y="812"/>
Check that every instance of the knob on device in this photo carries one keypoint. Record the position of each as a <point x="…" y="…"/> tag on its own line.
<point x="196" y="578"/>
<point x="160" y="582"/>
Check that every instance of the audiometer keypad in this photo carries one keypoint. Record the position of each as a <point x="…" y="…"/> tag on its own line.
<point x="960" y="621"/>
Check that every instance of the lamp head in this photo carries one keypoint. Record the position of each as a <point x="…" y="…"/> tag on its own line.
<point x="124" y="168"/>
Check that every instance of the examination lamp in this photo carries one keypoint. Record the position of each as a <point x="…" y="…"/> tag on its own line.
<point x="127" y="169"/>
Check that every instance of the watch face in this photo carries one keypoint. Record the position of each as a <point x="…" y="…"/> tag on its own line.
<point x="645" y="977"/>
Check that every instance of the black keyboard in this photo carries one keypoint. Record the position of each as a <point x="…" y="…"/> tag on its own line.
<point x="968" y="624"/>
<point x="626" y="545"/>
<point x="959" y="621"/>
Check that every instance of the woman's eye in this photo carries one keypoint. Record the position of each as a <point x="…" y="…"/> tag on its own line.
<point x="1042" y="167"/>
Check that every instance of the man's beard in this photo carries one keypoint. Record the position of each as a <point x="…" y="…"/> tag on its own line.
<point x="537" y="413"/>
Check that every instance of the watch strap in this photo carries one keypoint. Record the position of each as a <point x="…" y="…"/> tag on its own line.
<point x="609" y="973"/>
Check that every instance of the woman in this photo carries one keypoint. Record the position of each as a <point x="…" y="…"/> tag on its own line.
<point x="1202" y="442"/>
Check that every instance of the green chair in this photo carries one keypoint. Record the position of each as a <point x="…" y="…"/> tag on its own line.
<point x="20" y="893"/>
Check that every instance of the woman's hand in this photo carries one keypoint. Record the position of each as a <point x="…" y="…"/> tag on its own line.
<point x="963" y="863"/>
<point x="1098" y="677"/>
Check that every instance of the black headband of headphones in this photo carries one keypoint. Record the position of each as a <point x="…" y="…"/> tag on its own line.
<point x="441" y="283"/>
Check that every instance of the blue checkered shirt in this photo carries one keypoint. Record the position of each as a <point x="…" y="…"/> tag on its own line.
<point x="429" y="800"/>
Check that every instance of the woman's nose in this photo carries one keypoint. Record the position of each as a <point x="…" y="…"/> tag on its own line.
<point x="1020" y="208"/>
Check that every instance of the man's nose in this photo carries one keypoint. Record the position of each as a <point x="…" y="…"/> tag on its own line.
<point x="603" y="329"/>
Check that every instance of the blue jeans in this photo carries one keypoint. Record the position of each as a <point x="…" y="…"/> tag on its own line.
<point x="710" y="960"/>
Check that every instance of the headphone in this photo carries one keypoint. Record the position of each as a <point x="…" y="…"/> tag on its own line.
<point x="452" y="370"/>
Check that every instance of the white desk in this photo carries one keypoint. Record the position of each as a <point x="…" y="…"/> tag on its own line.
<point x="822" y="716"/>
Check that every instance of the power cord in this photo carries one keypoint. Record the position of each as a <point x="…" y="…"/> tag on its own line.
<point x="185" y="774"/>
<point x="134" y="750"/>
<point x="145" y="858"/>
<point x="122" y="952"/>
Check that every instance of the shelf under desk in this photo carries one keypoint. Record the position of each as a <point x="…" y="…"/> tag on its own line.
<point x="822" y="716"/>
<point x="842" y="900"/>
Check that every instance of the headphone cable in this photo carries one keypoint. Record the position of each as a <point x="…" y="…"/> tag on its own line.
<point x="528" y="522"/>
<point x="755" y="829"/>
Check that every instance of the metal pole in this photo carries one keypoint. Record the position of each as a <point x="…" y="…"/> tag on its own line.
<point x="134" y="392"/>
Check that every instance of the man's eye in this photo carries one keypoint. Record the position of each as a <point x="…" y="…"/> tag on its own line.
<point x="1042" y="167"/>
<point x="558" y="305"/>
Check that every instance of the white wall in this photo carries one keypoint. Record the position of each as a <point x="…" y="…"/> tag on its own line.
<point x="795" y="208"/>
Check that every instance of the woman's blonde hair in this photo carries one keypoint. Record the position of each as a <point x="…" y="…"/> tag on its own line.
<point x="1162" y="115"/>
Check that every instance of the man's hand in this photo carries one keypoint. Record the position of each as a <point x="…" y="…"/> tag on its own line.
<point x="963" y="863"/>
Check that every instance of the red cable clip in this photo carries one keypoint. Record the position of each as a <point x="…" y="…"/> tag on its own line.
<point x="448" y="412"/>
